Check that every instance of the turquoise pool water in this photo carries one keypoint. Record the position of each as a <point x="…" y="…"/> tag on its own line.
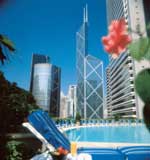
<point x="125" y="134"/>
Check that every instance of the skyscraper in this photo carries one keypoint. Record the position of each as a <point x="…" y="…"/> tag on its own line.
<point x="55" y="91"/>
<point x="72" y="97"/>
<point x="63" y="106"/>
<point x="68" y="103"/>
<point x="37" y="58"/>
<point x="121" y="96"/>
<point x="45" y="84"/>
<point x="89" y="76"/>
<point x="42" y="85"/>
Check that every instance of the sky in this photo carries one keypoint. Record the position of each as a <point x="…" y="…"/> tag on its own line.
<point x="49" y="27"/>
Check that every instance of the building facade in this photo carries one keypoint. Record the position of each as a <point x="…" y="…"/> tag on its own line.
<point x="63" y="106"/>
<point x="36" y="59"/>
<point x="45" y="84"/>
<point x="72" y="100"/>
<point x="121" y="96"/>
<point x="89" y="76"/>
<point x="42" y="85"/>
<point x="55" y="91"/>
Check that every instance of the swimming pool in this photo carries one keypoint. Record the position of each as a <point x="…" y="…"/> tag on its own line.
<point x="120" y="134"/>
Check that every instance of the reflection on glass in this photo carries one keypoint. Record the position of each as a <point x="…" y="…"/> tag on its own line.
<point x="42" y="85"/>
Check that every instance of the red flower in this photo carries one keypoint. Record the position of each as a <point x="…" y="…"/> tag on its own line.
<point x="62" y="151"/>
<point x="118" y="39"/>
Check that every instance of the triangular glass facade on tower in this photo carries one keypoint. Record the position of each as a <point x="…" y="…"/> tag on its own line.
<point x="89" y="77"/>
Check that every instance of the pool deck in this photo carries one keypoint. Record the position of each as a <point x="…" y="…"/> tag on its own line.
<point x="107" y="145"/>
<point x="102" y="144"/>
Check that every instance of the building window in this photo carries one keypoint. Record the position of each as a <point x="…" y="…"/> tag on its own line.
<point x="138" y="28"/>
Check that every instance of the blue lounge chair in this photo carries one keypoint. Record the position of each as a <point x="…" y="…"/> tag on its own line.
<point x="89" y="122"/>
<point x="100" y="122"/>
<point x="48" y="132"/>
<point x="42" y="123"/>
<point x="82" y="122"/>
<point x="135" y="152"/>
<point x="102" y="153"/>
<point x="72" y="123"/>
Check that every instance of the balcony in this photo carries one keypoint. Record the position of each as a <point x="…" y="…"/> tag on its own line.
<point x="123" y="97"/>
<point x="118" y="76"/>
<point x="133" y="109"/>
<point x="122" y="88"/>
<point x="124" y="91"/>
<point x="129" y="102"/>
<point x="118" y="63"/>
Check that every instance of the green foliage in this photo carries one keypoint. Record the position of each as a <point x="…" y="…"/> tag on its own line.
<point x="117" y="117"/>
<point x="5" y="43"/>
<point x="148" y="26"/>
<point x="140" y="49"/>
<point x="18" y="150"/>
<point x="78" y="117"/>
<point x="14" y="149"/>
<point x="148" y="29"/>
<point x="146" y="113"/>
<point x="15" y="105"/>
<point x="142" y="85"/>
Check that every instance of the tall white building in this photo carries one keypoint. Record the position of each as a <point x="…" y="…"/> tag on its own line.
<point x="68" y="103"/>
<point x="63" y="106"/>
<point x="72" y="100"/>
<point x="121" y="96"/>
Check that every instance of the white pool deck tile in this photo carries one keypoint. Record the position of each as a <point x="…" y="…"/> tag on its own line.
<point x="103" y="144"/>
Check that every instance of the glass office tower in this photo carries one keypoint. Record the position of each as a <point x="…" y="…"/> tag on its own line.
<point x="55" y="91"/>
<point x="89" y="76"/>
<point x="37" y="58"/>
<point x="45" y="84"/>
<point x="42" y="85"/>
<point x="121" y="96"/>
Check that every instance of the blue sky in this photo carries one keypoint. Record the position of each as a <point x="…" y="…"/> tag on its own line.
<point x="49" y="27"/>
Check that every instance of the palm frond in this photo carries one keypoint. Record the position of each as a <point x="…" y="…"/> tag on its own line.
<point x="7" y="43"/>
<point x="2" y="56"/>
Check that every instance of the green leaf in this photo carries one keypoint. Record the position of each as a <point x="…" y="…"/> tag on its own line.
<point x="147" y="55"/>
<point x="138" y="49"/>
<point x="148" y="26"/>
<point x="142" y="85"/>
